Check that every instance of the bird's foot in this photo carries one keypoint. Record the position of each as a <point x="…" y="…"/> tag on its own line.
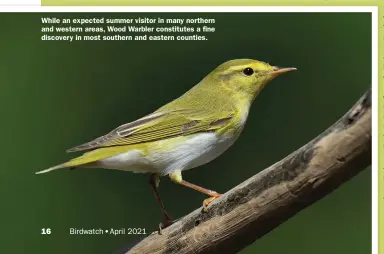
<point x="207" y="201"/>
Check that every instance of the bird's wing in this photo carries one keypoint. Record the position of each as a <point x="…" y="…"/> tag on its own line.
<point x="158" y="126"/>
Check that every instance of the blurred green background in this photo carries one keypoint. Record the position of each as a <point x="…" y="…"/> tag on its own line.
<point x="55" y="95"/>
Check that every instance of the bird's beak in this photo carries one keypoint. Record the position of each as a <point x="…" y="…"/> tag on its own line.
<point x="280" y="70"/>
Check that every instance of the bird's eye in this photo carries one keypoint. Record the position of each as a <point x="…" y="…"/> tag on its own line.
<point x="248" y="71"/>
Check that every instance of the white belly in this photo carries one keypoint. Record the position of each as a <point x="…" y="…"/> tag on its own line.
<point x="198" y="150"/>
<point x="172" y="154"/>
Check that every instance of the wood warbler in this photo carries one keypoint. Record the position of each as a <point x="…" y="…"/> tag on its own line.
<point x="188" y="132"/>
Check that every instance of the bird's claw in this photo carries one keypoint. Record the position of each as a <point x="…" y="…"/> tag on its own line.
<point x="207" y="201"/>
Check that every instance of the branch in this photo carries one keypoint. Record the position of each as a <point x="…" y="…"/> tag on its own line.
<point x="264" y="201"/>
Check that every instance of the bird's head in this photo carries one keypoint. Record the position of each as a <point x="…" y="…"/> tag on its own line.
<point x="245" y="77"/>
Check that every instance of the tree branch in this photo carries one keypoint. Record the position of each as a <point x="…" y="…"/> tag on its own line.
<point x="264" y="201"/>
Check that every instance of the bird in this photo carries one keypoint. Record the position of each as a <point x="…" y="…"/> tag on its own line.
<point x="186" y="133"/>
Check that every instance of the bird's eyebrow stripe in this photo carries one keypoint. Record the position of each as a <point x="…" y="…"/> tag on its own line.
<point x="232" y="71"/>
<point x="237" y="68"/>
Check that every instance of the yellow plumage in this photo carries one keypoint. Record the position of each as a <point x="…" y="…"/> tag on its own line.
<point x="217" y="104"/>
<point x="185" y="133"/>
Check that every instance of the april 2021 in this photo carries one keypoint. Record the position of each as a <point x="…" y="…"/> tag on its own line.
<point x="110" y="231"/>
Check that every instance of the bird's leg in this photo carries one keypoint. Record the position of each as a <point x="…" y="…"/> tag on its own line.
<point x="177" y="178"/>
<point x="154" y="181"/>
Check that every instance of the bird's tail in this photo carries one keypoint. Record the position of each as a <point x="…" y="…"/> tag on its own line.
<point x="88" y="158"/>
<point x="63" y="165"/>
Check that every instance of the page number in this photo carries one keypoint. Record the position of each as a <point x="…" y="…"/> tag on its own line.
<point x="46" y="231"/>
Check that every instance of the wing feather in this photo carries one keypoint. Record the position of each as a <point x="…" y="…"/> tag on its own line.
<point x="158" y="126"/>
